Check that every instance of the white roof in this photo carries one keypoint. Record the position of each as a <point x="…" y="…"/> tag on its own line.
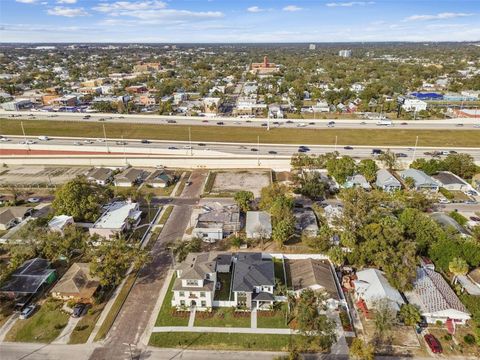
<point x="372" y="286"/>
<point x="58" y="222"/>
<point x="258" y="220"/>
<point x="116" y="215"/>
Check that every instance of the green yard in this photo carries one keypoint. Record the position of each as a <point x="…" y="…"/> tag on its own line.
<point x="224" y="292"/>
<point x="86" y="325"/>
<point x="44" y="326"/>
<point x="279" y="273"/>
<point x="221" y="341"/>
<point x="277" y="321"/>
<point x="165" y="317"/>
<point x="392" y="137"/>
<point x="224" y="317"/>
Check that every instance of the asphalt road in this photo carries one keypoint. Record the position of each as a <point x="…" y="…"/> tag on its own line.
<point x="213" y="149"/>
<point x="140" y="303"/>
<point x="445" y="124"/>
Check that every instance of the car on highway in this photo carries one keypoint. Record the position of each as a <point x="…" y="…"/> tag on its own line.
<point x="470" y="202"/>
<point x="87" y="116"/>
<point x="348" y="147"/>
<point x="272" y="152"/>
<point x="77" y="143"/>
<point x="101" y="119"/>
<point x="27" y="311"/>
<point x="331" y="124"/>
<point x="433" y="344"/>
<point x="43" y="138"/>
<point x="172" y="148"/>
<point x="311" y="123"/>
<point x="88" y="141"/>
<point x="121" y="117"/>
<point x="171" y="121"/>
<point x="459" y="125"/>
<point x="28" y="142"/>
<point x="248" y="121"/>
<point x="452" y="152"/>
<point x="289" y="122"/>
<point x="253" y="149"/>
<point x="188" y="147"/>
<point x="4" y="139"/>
<point x="204" y="121"/>
<point x="201" y="144"/>
<point x="363" y="123"/>
<point x="403" y="123"/>
<point x="100" y="140"/>
<point x="121" y="143"/>
<point x="33" y="200"/>
<point x="79" y="310"/>
<point x="237" y="122"/>
<point x="401" y="155"/>
<point x="476" y="126"/>
<point x="145" y="141"/>
<point x="377" y="151"/>
<point x="264" y="124"/>
<point x="220" y="123"/>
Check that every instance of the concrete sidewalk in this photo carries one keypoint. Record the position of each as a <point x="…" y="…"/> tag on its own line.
<point x="64" y="336"/>
<point x="7" y="326"/>
<point x="228" y="330"/>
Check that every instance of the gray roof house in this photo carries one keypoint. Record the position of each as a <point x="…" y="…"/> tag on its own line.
<point x="160" y="179"/>
<point x="436" y="299"/>
<point x="306" y="222"/>
<point x="258" y="225"/>
<point x="130" y="177"/>
<point x="447" y="221"/>
<point x="450" y="181"/>
<point x="100" y="176"/>
<point x="253" y="281"/>
<point x="386" y="181"/>
<point x="10" y="216"/>
<point x="421" y="180"/>
<point x="217" y="223"/>
<point x="357" y="181"/>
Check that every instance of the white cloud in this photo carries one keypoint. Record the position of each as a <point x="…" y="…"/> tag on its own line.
<point x="130" y="6"/>
<point x="66" y="11"/>
<point x="255" y="9"/>
<point x="27" y="1"/>
<point x="292" y="8"/>
<point x="66" y="1"/>
<point x="350" y="4"/>
<point x="440" y="16"/>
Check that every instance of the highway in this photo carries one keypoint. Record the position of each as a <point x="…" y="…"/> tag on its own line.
<point x="206" y="149"/>
<point x="445" y="124"/>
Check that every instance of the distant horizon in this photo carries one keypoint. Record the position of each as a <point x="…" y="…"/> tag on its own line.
<point x="244" y="21"/>
<point x="473" y="42"/>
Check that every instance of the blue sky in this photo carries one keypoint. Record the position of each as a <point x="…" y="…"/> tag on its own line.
<point x="238" y="20"/>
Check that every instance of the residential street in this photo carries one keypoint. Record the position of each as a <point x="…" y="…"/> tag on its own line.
<point x="135" y="314"/>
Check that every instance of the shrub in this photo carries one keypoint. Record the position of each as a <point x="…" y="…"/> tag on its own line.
<point x="469" y="339"/>
<point x="447" y="337"/>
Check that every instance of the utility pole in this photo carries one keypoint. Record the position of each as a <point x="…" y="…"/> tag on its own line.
<point x="415" y="149"/>
<point x="25" y="136"/>
<point x="190" y="140"/>
<point x="258" y="150"/>
<point x="105" y="137"/>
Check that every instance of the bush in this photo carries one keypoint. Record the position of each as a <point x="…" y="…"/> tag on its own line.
<point x="459" y="218"/>
<point x="447" y="337"/>
<point x="469" y="339"/>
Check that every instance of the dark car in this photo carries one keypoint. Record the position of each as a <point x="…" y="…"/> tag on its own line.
<point x="433" y="343"/>
<point x="144" y="141"/>
<point x="377" y="152"/>
<point x="300" y="150"/>
<point x="172" y="148"/>
<point x="204" y="121"/>
<point x="459" y="125"/>
<point x="201" y="144"/>
<point x="348" y="147"/>
<point x="171" y="121"/>
<point x="248" y="121"/>
<point x="289" y="122"/>
<point x="474" y="218"/>
<point x="27" y="311"/>
<point x="403" y="123"/>
<point x="220" y="123"/>
<point x="253" y="149"/>
<point x="401" y="155"/>
<point x="264" y="124"/>
<point x="272" y="152"/>
<point x="79" y="310"/>
<point x="121" y="143"/>
<point x="311" y="123"/>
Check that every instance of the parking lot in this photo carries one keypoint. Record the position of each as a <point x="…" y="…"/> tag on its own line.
<point x="32" y="176"/>
<point x="232" y="181"/>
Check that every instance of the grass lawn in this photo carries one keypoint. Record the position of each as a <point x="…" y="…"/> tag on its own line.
<point x="224" y="292"/>
<point x="86" y="324"/>
<point x="223" y="318"/>
<point x="404" y="137"/>
<point x="221" y="341"/>
<point x="165" y="317"/>
<point x="166" y="191"/>
<point x="277" y="321"/>
<point x="279" y="273"/>
<point x="44" y="326"/>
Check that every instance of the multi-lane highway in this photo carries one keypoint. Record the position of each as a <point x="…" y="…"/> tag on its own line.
<point x="445" y="124"/>
<point x="205" y="149"/>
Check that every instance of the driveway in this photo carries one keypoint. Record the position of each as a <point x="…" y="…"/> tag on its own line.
<point x="64" y="336"/>
<point x="134" y="316"/>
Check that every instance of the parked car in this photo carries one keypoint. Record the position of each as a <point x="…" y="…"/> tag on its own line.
<point x="79" y="310"/>
<point x="433" y="344"/>
<point x="33" y="200"/>
<point x="27" y="311"/>
<point x="475" y="218"/>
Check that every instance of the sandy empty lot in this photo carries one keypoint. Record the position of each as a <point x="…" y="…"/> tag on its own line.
<point x="232" y="181"/>
<point x="33" y="175"/>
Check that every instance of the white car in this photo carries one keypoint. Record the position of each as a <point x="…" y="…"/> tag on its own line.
<point x="78" y="143"/>
<point x="100" y="140"/>
<point x="28" y="142"/>
<point x="33" y="200"/>
<point x="4" y="139"/>
<point x="87" y="141"/>
<point x="43" y="138"/>
<point x="188" y="147"/>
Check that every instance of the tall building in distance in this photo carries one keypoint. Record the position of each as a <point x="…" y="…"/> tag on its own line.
<point x="345" y="53"/>
<point x="312" y="47"/>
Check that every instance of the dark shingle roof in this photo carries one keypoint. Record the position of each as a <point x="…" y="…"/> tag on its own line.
<point x="29" y="277"/>
<point x="251" y="270"/>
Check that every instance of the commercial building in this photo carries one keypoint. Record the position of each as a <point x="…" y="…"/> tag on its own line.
<point x="345" y="53"/>
<point x="264" y="67"/>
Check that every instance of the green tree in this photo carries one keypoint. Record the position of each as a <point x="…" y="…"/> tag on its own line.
<point x="322" y="241"/>
<point x="336" y="255"/>
<point x="429" y="167"/>
<point x="384" y="319"/>
<point x="409" y="314"/>
<point x="457" y="267"/>
<point x="312" y="185"/>
<point x="283" y="230"/>
<point x="341" y="168"/>
<point x="462" y="165"/>
<point x="243" y="199"/>
<point x="360" y="350"/>
<point x="148" y="198"/>
<point x="409" y="182"/>
<point x="182" y="248"/>
<point x="368" y="168"/>
<point x="111" y="260"/>
<point x="389" y="159"/>
<point x="80" y="199"/>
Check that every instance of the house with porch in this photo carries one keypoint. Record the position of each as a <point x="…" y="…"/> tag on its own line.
<point x="253" y="281"/>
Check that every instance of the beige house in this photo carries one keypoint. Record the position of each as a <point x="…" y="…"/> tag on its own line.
<point x="10" y="216"/>
<point x="76" y="284"/>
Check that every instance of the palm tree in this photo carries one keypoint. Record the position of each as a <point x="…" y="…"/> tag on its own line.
<point x="148" y="198"/>
<point x="457" y="267"/>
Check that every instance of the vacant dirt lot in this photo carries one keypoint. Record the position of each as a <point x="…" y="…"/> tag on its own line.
<point x="232" y="181"/>
<point x="39" y="175"/>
